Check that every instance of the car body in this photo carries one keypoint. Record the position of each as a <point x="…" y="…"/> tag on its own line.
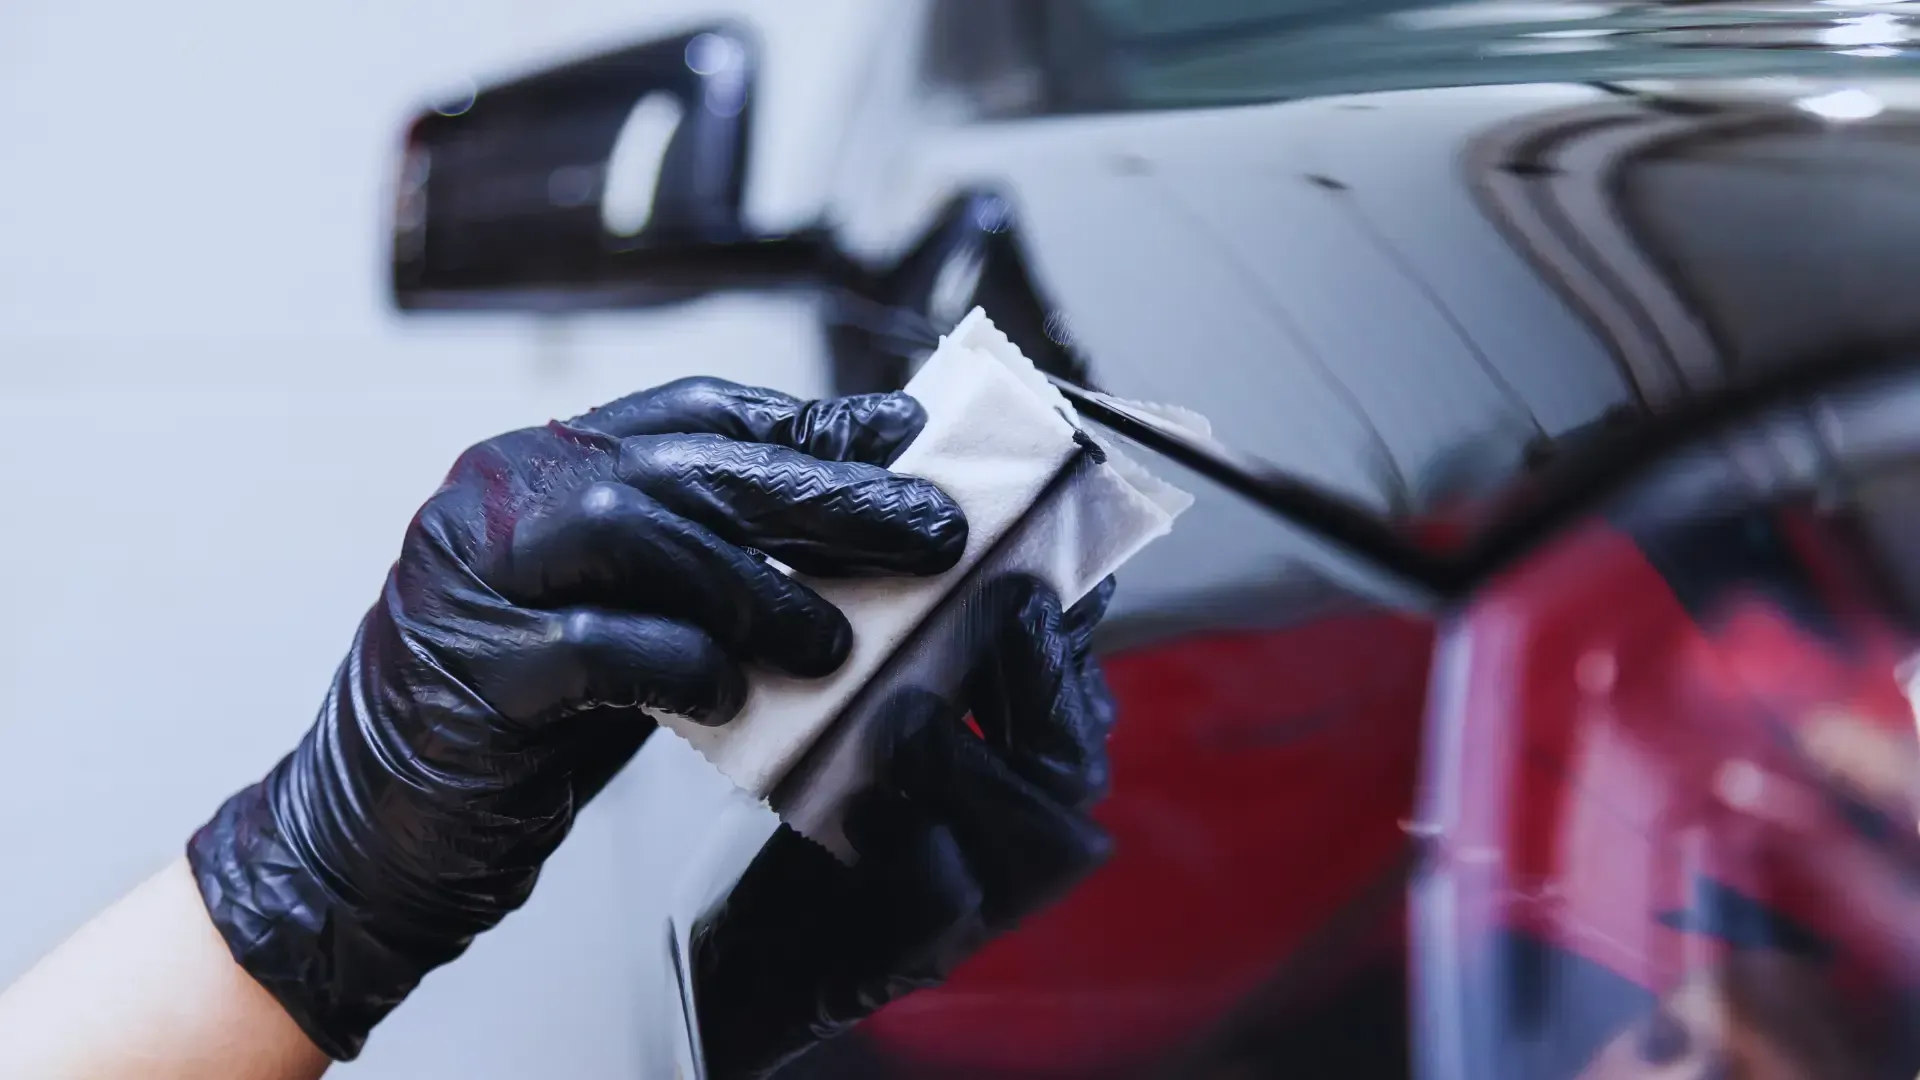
<point x="1454" y="270"/>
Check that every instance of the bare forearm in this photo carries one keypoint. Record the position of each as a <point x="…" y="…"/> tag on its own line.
<point x="149" y="990"/>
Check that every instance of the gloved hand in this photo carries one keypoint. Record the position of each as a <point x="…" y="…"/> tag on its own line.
<point x="959" y="839"/>
<point x="560" y="580"/>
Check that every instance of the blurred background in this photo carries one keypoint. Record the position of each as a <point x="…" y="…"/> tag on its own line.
<point x="204" y="394"/>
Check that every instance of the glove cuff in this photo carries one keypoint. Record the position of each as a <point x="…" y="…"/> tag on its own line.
<point x="331" y="972"/>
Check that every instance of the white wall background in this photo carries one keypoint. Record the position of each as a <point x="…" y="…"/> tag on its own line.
<point x="212" y="433"/>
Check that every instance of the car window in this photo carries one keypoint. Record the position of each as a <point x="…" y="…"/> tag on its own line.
<point x="1010" y="58"/>
<point x="1134" y="19"/>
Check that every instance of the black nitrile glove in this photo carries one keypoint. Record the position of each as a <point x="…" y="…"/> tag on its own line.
<point x="960" y="839"/>
<point x="561" y="578"/>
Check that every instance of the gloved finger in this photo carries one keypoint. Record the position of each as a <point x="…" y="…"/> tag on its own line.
<point x="1084" y="617"/>
<point x="610" y="544"/>
<point x="932" y="909"/>
<point x="1031" y="690"/>
<point x="1023" y="846"/>
<point x="803" y="946"/>
<point x="819" y="517"/>
<point x="585" y="658"/>
<point x="873" y="428"/>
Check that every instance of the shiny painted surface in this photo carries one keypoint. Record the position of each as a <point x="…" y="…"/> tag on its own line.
<point x="1475" y="267"/>
<point x="1672" y="779"/>
<point x="1439" y="259"/>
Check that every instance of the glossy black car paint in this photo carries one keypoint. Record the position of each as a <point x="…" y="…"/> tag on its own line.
<point x="1719" y="240"/>
<point x="1466" y="267"/>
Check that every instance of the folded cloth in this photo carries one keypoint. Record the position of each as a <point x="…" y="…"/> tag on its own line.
<point x="1042" y="497"/>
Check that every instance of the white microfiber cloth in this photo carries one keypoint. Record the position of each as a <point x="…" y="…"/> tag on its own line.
<point x="1040" y="496"/>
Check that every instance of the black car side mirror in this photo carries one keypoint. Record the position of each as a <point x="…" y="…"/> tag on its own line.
<point x="614" y="181"/>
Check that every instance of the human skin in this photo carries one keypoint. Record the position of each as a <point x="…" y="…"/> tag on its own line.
<point x="148" y="990"/>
